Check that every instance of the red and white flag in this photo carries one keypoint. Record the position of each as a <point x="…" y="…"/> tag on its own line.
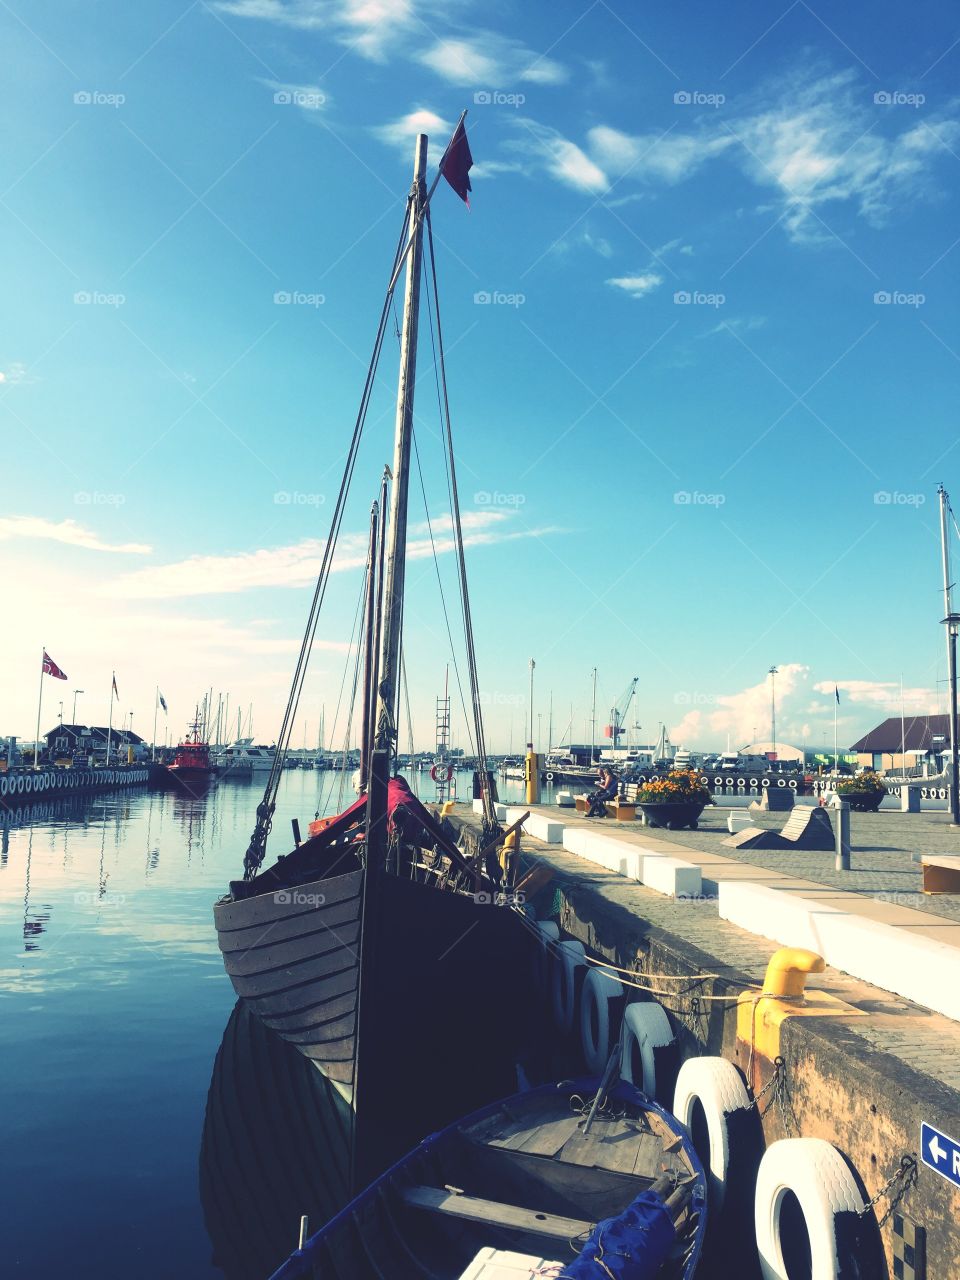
<point x="457" y="163"/>
<point x="50" y="668"/>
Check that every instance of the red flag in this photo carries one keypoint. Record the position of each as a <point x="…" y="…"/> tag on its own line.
<point x="50" y="668"/>
<point x="457" y="163"/>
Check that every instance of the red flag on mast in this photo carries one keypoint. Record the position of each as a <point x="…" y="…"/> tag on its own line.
<point x="457" y="163"/>
<point x="50" y="668"/>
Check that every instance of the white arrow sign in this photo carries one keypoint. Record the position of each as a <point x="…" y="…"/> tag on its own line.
<point x="939" y="1153"/>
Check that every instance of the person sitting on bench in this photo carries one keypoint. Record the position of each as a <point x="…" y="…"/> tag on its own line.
<point x="608" y="790"/>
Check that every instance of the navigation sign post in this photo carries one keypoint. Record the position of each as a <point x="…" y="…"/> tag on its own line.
<point x="940" y="1153"/>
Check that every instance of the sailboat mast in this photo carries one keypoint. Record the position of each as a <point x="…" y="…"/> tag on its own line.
<point x="397" y="538"/>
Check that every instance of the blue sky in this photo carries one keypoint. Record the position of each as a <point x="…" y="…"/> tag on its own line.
<point x="701" y="325"/>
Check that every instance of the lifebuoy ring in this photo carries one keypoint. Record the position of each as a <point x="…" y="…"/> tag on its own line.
<point x="812" y="1173"/>
<point x="28" y="784"/>
<point x="718" y="782"/>
<point x="709" y="1095"/>
<point x="753" y="782"/>
<point x="792" y="784"/>
<point x="741" y="782"/>
<point x="548" y="935"/>
<point x="601" y="1007"/>
<point x="441" y="772"/>
<point x="568" y="973"/>
<point x="4" y="786"/>
<point x="781" y="782"/>
<point x="764" y="782"/>
<point x="942" y="793"/>
<point x="704" y="780"/>
<point x="729" y="782"/>
<point x="549" y="775"/>
<point x="649" y="1052"/>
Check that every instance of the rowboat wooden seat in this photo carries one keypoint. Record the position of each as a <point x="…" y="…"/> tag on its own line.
<point x="493" y="1213"/>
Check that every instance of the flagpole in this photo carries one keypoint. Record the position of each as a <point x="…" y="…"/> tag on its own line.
<point x="903" y="735"/>
<point x="836" y="750"/>
<point x="113" y="682"/>
<point x="156" y="703"/>
<point x="36" y="741"/>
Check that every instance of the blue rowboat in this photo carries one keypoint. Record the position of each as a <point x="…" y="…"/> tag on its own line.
<point x="541" y="1184"/>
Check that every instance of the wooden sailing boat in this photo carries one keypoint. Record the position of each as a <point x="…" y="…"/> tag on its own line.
<point x="374" y="946"/>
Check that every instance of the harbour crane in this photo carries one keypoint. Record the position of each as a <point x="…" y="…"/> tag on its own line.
<point x="614" y="730"/>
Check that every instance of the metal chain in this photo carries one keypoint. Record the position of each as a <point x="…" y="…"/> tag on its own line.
<point x="906" y="1171"/>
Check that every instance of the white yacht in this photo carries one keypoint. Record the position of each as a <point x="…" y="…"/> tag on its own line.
<point x="243" y="756"/>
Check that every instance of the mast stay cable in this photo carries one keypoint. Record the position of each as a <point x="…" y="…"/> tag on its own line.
<point x="256" y="851"/>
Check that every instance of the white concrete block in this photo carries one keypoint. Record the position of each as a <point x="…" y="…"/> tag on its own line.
<point x="889" y="957"/>
<point x="565" y="799"/>
<point x="606" y="851"/>
<point x="500" y="810"/>
<point x="670" y="875"/>
<point x="515" y="813"/>
<point x="478" y="807"/>
<point x="544" y="828"/>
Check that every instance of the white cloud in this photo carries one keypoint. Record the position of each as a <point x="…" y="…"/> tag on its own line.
<point x="299" y="564"/>
<point x="462" y="62"/>
<point x="67" y="531"/>
<point x="561" y="158"/>
<point x="308" y="97"/>
<point x="745" y="715"/>
<point x="882" y="694"/>
<point x="486" y="59"/>
<point x="637" y="286"/>
<point x="670" y="157"/>
<point x="16" y="374"/>
<point x="367" y="26"/>
<point x="401" y="132"/>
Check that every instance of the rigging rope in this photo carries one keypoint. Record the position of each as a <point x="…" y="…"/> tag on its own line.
<point x="257" y="848"/>
<point x="458" y="536"/>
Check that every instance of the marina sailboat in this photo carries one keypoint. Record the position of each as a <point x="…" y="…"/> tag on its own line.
<point x="375" y="946"/>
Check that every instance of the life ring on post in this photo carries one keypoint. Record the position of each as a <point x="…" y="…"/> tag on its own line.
<point x="568" y="974"/>
<point x="441" y="772"/>
<point x="601" y="1007"/>
<point x="649" y="1048"/>
<point x="709" y="1095"/>
<point x="810" y="1176"/>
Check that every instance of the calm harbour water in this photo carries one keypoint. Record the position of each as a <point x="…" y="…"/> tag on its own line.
<point x="114" y="1002"/>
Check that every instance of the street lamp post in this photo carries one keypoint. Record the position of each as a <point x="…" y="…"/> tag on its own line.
<point x="773" y="710"/>
<point x="952" y="622"/>
<point x="593" y="723"/>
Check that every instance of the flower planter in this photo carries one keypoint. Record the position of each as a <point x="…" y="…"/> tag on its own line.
<point x="863" y="801"/>
<point x="675" y="815"/>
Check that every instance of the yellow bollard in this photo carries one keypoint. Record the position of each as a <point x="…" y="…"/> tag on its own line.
<point x="787" y="971"/>
<point x="532" y="777"/>
<point x="448" y="808"/>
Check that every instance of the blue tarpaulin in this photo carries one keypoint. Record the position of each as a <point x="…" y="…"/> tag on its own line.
<point x="633" y="1245"/>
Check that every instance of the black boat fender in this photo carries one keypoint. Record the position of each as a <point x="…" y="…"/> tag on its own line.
<point x="569" y="971"/>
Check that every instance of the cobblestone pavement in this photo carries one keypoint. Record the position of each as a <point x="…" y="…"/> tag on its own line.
<point x="886" y="849"/>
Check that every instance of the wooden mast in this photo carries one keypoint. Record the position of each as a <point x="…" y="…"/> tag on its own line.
<point x="366" y="1122"/>
<point x="397" y="538"/>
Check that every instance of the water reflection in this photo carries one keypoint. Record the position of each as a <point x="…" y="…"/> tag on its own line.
<point x="274" y="1147"/>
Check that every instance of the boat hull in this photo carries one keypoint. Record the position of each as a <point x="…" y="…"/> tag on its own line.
<point x="446" y="1002"/>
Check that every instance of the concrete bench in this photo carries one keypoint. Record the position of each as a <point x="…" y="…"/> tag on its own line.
<point x="941" y="872"/>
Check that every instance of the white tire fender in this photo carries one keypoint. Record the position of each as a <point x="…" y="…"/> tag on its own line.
<point x="601" y="1008"/>
<point x="718" y="1086"/>
<point x="823" y="1183"/>
<point x="646" y="1029"/>
<point x="568" y="967"/>
<point x="548" y="935"/>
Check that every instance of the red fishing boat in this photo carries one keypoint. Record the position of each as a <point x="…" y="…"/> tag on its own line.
<point x="191" y="764"/>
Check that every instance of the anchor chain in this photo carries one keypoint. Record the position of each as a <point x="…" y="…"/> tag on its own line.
<point x="905" y="1172"/>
